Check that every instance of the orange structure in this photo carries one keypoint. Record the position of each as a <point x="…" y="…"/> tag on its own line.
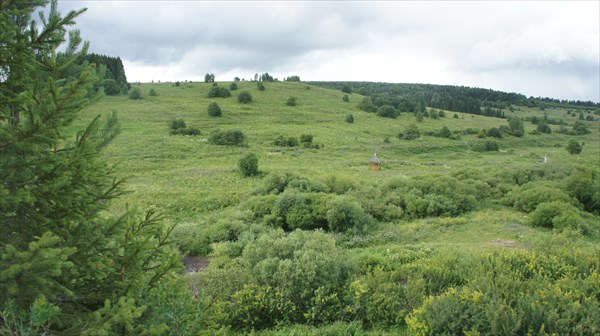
<point x="374" y="163"/>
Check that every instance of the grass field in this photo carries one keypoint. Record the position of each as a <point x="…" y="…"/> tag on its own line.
<point x="196" y="184"/>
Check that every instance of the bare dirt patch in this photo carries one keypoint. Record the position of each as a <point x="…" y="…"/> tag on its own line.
<point x="195" y="264"/>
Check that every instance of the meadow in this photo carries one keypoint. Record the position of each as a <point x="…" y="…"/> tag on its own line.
<point x="439" y="241"/>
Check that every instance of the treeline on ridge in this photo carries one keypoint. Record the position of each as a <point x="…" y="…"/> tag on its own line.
<point x="448" y="97"/>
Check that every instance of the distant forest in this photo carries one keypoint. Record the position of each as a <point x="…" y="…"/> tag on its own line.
<point x="449" y="97"/>
<point x="112" y="71"/>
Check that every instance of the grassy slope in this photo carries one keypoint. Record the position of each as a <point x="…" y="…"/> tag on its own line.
<point x="195" y="183"/>
<point x="187" y="178"/>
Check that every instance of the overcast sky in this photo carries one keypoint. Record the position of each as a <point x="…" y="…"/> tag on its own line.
<point x="539" y="48"/>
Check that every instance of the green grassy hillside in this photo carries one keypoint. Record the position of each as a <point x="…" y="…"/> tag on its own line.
<point x="198" y="185"/>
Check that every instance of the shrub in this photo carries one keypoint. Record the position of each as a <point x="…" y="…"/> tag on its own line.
<point x="260" y="86"/>
<point x="152" y="93"/>
<point x="579" y="128"/>
<point x="585" y="187"/>
<point x="249" y="164"/>
<point x="387" y="111"/>
<point x="345" y="213"/>
<point x="574" y="147"/>
<point x="111" y="88"/>
<point x="419" y="117"/>
<point x="493" y="132"/>
<point x="411" y="132"/>
<point x="175" y="124"/>
<point x="135" y="93"/>
<point x="528" y="200"/>
<point x="444" y="132"/>
<point x="227" y="138"/>
<point x="233" y="86"/>
<point x="244" y="97"/>
<point x="285" y="142"/>
<point x="350" y="118"/>
<point x="516" y="126"/>
<point x="291" y="101"/>
<point x="214" y="110"/>
<point x="441" y="114"/>
<point x="346" y="89"/>
<point x="556" y="214"/>
<point x="367" y="105"/>
<point x="455" y="116"/>
<point x="542" y="127"/>
<point x="306" y="138"/>
<point x="186" y="131"/>
<point x="345" y="99"/>
<point x="485" y="146"/>
<point x="218" y="92"/>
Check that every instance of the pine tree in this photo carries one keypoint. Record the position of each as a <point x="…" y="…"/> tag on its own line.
<point x="61" y="251"/>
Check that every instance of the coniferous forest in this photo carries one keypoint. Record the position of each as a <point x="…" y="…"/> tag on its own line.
<point x="267" y="207"/>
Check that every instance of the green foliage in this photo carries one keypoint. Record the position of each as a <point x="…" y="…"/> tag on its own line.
<point x="260" y="86"/>
<point x="219" y="92"/>
<point x="350" y="119"/>
<point x="209" y="78"/>
<point x="152" y="93"/>
<point x="291" y="101"/>
<point x="293" y="79"/>
<point x="244" y="97"/>
<point x="528" y="199"/>
<point x="214" y="110"/>
<point x="111" y="88"/>
<point x="286" y="279"/>
<point x="249" y="164"/>
<point x="585" y="187"/>
<point x="411" y="132"/>
<point x="487" y="145"/>
<point x="178" y="127"/>
<point x="574" y="147"/>
<point x="176" y="124"/>
<point x="135" y="93"/>
<point x="555" y="214"/>
<point x="387" y="111"/>
<point x="345" y="213"/>
<point x="345" y="98"/>
<point x="227" y="137"/>
<point x="419" y="117"/>
<point x="580" y="128"/>
<point x="516" y="126"/>
<point x="306" y="138"/>
<point x="283" y="141"/>
<point x="542" y="127"/>
<point x="494" y="133"/>
<point x="346" y="89"/>
<point x="444" y="132"/>
<point x="233" y="86"/>
<point x="366" y="104"/>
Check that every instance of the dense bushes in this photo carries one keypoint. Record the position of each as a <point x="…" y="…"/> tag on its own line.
<point x="249" y="164"/>
<point x="244" y="97"/>
<point x="135" y="93"/>
<point x="280" y="279"/>
<point x="388" y="111"/>
<point x="485" y="146"/>
<point x="227" y="138"/>
<point x="291" y="101"/>
<point x="219" y="92"/>
<point x="178" y="127"/>
<point x="214" y="110"/>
